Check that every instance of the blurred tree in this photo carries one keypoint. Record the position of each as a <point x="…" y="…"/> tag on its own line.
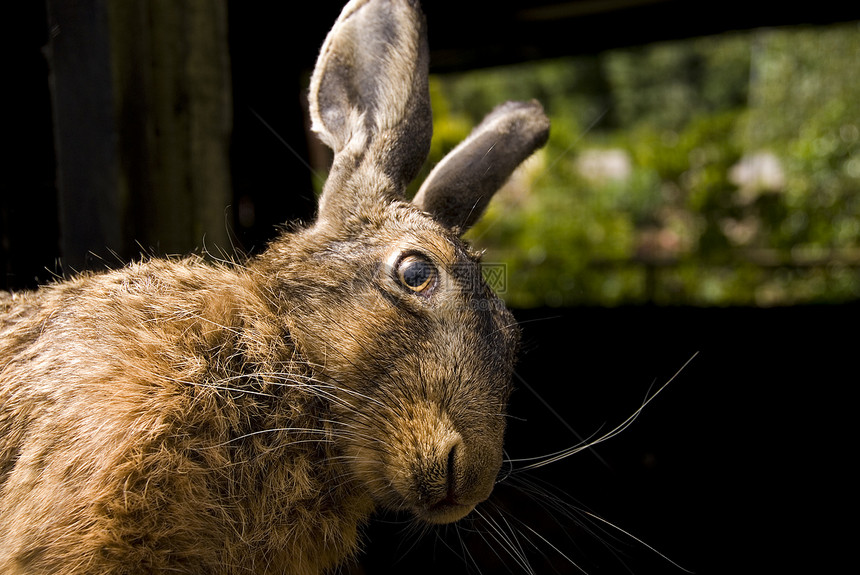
<point x="715" y="171"/>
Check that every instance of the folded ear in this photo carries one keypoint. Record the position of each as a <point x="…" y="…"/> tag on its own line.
<point x="369" y="100"/>
<point x="458" y="189"/>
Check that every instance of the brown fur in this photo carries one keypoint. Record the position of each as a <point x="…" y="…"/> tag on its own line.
<point x="127" y="447"/>
<point x="185" y="417"/>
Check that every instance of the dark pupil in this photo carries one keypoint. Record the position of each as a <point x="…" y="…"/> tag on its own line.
<point x="416" y="274"/>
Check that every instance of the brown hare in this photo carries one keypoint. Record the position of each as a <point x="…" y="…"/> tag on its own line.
<point x="186" y="417"/>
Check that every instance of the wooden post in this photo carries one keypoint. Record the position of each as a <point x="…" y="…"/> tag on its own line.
<point x="143" y="116"/>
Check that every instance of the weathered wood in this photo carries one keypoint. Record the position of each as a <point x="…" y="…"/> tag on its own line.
<point x="91" y="207"/>
<point x="143" y="113"/>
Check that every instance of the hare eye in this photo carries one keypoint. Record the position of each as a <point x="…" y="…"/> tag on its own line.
<point x="416" y="273"/>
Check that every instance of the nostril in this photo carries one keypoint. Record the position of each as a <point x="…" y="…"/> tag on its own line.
<point x="453" y="481"/>
<point x="452" y="474"/>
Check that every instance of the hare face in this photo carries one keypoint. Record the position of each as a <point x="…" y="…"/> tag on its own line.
<point x="420" y="353"/>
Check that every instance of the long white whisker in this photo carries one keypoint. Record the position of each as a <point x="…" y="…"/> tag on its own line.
<point x="555" y="548"/>
<point x="498" y="534"/>
<point x="634" y="538"/>
<point x="556" y="415"/>
<point x="540" y="461"/>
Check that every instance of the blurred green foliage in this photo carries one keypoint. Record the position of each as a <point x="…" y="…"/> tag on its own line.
<point x="714" y="171"/>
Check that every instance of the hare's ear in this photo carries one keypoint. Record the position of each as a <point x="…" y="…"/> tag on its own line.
<point x="458" y="189"/>
<point x="369" y="102"/>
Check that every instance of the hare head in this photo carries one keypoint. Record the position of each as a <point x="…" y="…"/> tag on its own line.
<point x="382" y="296"/>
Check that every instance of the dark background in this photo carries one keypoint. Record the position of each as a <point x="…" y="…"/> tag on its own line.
<point x="741" y="465"/>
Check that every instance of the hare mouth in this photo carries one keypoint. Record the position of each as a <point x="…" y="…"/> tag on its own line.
<point x="445" y="511"/>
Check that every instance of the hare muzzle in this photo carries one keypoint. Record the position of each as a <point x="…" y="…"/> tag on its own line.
<point x="440" y="475"/>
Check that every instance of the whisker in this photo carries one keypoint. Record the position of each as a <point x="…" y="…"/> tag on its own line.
<point x="636" y="539"/>
<point x="557" y="415"/>
<point x="286" y="144"/>
<point x="582" y="135"/>
<point x="498" y="535"/>
<point x="278" y="430"/>
<point x="540" y="461"/>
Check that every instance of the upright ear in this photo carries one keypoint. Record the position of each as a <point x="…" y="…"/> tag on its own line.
<point x="369" y="102"/>
<point x="458" y="189"/>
